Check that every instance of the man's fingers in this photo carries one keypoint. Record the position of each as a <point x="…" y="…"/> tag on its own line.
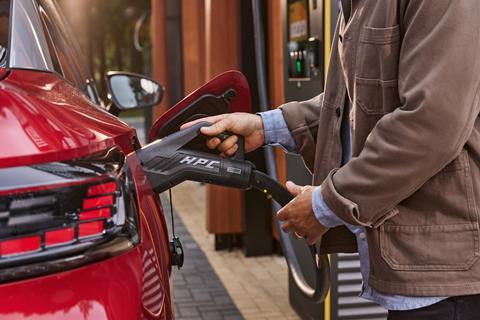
<point x="228" y="147"/>
<point x="293" y="188"/>
<point x="230" y="152"/>
<point x="212" y="119"/>
<point x="282" y="214"/>
<point x="219" y="127"/>
<point x="227" y="143"/>
<point x="310" y="240"/>
<point x="213" y="143"/>
<point x="286" y="227"/>
<point x="298" y="235"/>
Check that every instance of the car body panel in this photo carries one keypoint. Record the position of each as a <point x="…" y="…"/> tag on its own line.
<point x="105" y="290"/>
<point x="3" y="73"/>
<point x="43" y="118"/>
<point x="155" y="248"/>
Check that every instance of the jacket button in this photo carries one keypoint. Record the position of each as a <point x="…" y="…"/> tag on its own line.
<point x="337" y="111"/>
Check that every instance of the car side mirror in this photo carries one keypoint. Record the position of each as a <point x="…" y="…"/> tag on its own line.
<point x="129" y="90"/>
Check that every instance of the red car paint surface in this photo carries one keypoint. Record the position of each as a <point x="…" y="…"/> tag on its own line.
<point x="42" y="119"/>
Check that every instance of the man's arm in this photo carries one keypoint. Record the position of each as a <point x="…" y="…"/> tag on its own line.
<point x="276" y="132"/>
<point x="322" y="211"/>
<point x="439" y="77"/>
<point x="303" y="124"/>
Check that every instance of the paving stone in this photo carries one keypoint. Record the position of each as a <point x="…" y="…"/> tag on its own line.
<point x="212" y="315"/>
<point x="189" y="312"/>
<point x="203" y="297"/>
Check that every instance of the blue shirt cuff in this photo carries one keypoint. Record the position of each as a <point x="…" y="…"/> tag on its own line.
<point x="276" y="130"/>
<point x="323" y="213"/>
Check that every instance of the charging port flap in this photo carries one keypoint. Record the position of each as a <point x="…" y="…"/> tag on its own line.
<point x="228" y="92"/>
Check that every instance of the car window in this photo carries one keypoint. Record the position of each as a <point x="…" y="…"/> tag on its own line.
<point x="60" y="46"/>
<point x="4" y="23"/>
<point x="28" y="46"/>
<point x="65" y="49"/>
<point x="77" y="57"/>
<point x="51" y="48"/>
<point x="93" y="93"/>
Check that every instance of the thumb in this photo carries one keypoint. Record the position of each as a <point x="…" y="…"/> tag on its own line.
<point x="211" y="119"/>
<point x="219" y="127"/>
<point x="293" y="188"/>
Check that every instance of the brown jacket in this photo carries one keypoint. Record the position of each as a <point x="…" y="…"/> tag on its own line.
<point x="412" y="71"/>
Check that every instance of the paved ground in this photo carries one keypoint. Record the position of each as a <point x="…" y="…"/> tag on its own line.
<point x="198" y="292"/>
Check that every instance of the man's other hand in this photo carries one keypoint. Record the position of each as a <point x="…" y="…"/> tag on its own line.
<point x="245" y="124"/>
<point x="298" y="216"/>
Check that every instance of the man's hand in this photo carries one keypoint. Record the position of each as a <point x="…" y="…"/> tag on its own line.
<point x="248" y="125"/>
<point x="298" y="217"/>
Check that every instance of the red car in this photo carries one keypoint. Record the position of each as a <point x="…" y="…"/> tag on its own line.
<point x="82" y="235"/>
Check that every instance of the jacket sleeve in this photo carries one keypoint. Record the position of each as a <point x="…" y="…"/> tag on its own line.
<point x="276" y="130"/>
<point x="302" y="121"/>
<point x="322" y="212"/>
<point x="439" y="73"/>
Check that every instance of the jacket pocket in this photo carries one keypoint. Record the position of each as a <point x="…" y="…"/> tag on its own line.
<point x="376" y="71"/>
<point x="437" y="228"/>
<point x="429" y="248"/>
<point x="378" y="53"/>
